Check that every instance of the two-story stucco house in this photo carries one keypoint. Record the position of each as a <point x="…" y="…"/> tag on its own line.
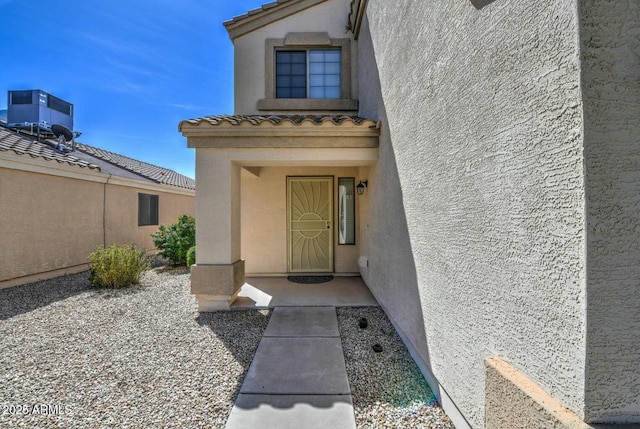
<point x="477" y="162"/>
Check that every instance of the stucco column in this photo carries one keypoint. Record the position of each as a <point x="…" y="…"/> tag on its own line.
<point x="219" y="272"/>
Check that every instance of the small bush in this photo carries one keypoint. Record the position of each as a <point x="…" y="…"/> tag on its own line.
<point x="176" y="239"/>
<point x="117" y="266"/>
<point x="191" y="256"/>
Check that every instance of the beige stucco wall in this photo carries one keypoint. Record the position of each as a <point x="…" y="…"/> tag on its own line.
<point x="53" y="217"/>
<point x="478" y="194"/>
<point x="48" y="222"/>
<point x="122" y="214"/>
<point x="249" y="50"/>
<point x="264" y="219"/>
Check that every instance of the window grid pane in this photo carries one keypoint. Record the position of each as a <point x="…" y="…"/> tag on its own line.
<point x="291" y="74"/>
<point x="324" y="73"/>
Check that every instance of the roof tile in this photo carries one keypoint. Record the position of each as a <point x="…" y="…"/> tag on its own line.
<point x="255" y="11"/>
<point x="277" y="119"/>
<point x="152" y="172"/>
<point x="23" y="144"/>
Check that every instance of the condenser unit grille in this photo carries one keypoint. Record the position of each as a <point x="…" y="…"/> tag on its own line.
<point x="21" y="97"/>
<point x="60" y="105"/>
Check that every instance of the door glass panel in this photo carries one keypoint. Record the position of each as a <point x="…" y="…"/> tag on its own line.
<point x="346" y="211"/>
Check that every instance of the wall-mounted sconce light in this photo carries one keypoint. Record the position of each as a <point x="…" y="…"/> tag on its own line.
<point x="361" y="186"/>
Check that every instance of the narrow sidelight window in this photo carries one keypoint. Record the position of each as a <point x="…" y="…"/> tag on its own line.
<point x="346" y="210"/>
<point x="148" y="207"/>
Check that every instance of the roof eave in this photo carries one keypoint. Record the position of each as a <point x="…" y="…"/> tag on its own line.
<point x="356" y="15"/>
<point x="267" y="14"/>
<point x="348" y="134"/>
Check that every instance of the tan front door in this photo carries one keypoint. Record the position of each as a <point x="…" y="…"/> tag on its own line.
<point x="309" y="219"/>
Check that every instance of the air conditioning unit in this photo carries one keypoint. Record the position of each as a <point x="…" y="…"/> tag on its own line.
<point x="37" y="108"/>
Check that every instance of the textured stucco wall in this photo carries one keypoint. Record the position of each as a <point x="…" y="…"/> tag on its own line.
<point x="484" y="132"/>
<point x="249" y="50"/>
<point x="121" y="217"/>
<point x="391" y="271"/>
<point x="48" y="222"/>
<point x="51" y="223"/>
<point x="264" y="219"/>
<point x="610" y="39"/>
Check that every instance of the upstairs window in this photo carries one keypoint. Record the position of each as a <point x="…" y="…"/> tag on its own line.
<point x="308" y="72"/>
<point x="312" y="73"/>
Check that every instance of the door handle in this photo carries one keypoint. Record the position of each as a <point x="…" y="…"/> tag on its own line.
<point x="328" y="225"/>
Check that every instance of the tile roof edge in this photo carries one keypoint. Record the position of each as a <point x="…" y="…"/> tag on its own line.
<point x="50" y="154"/>
<point x="138" y="173"/>
<point x="277" y="120"/>
<point x="264" y="15"/>
<point x="62" y="158"/>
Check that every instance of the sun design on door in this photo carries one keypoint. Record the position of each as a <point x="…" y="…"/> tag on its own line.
<point x="310" y="212"/>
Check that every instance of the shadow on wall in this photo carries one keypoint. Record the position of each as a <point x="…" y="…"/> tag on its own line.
<point x="391" y="275"/>
<point x="479" y="4"/>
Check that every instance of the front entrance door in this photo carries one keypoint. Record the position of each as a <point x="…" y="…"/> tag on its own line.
<point x="309" y="219"/>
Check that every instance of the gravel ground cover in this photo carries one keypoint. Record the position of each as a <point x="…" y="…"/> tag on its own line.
<point x="129" y="358"/>
<point x="74" y="356"/>
<point x="387" y="388"/>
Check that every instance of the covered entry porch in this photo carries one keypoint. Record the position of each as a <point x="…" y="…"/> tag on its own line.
<point x="268" y="197"/>
<point x="271" y="292"/>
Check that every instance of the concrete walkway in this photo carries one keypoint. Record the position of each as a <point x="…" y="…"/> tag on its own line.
<point x="297" y="378"/>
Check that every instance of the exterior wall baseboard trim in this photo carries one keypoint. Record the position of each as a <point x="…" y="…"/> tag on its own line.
<point x="46" y="275"/>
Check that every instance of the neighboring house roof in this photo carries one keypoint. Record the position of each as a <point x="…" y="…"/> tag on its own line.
<point x="278" y="120"/>
<point x="149" y="171"/>
<point x="93" y="158"/>
<point x="265" y="15"/>
<point x="26" y="145"/>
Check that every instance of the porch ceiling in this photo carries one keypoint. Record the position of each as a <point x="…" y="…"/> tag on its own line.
<point x="281" y="131"/>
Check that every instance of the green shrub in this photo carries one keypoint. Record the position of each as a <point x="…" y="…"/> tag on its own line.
<point x="176" y="239"/>
<point x="117" y="266"/>
<point x="191" y="256"/>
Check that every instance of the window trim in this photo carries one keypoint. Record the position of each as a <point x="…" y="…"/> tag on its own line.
<point x="307" y="41"/>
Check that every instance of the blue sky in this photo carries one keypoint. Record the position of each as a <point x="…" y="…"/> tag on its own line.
<point x="132" y="69"/>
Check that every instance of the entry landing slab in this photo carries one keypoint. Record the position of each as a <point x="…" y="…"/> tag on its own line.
<point x="298" y="366"/>
<point x="297" y="378"/>
<point x="303" y="322"/>
<point x="292" y="411"/>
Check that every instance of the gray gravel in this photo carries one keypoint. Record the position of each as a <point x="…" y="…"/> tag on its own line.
<point x="387" y="387"/>
<point x="73" y="356"/>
